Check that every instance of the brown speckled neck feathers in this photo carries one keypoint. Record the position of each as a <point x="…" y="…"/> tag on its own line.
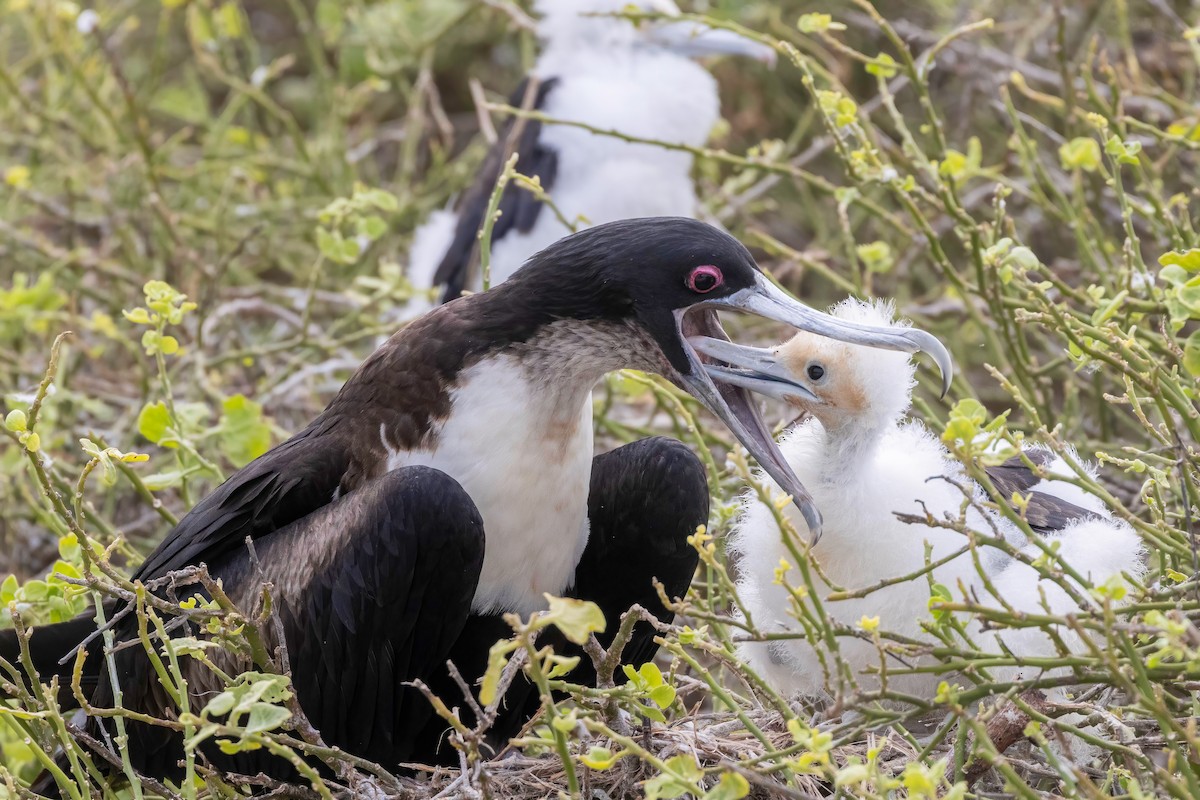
<point x="402" y="393"/>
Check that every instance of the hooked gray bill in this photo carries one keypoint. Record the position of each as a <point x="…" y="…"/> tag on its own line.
<point x="725" y="388"/>
<point x="695" y="40"/>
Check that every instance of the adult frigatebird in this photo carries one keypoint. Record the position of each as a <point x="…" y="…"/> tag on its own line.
<point x="864" y="463"/>
<point x="640" y="80"/>
<point x="452" y="479"/>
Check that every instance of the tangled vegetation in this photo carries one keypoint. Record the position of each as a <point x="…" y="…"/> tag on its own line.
<point x="204" y="213"/>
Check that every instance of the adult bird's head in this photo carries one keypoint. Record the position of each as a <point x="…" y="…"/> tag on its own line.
<point x="593" y="23"/>
<point x="662" y="281"/>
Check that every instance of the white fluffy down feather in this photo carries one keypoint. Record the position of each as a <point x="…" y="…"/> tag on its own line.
<point x="862" y="462"/>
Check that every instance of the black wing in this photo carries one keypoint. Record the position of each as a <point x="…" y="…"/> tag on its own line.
<point x="518" y="208"/>
<point x="400" y="563"/>
<point x="1045" y="513"/>
<point x="372" y="590"/>
<point x="281" y="486"/>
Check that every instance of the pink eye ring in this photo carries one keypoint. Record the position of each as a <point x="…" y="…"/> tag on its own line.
<point x="704" y="279"/>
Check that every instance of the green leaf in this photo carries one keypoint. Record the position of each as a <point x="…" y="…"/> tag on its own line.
<point x="565" y="722"/>
<point x="228" y="19"/>
<point x="350" y="251"/>
<point x="939" y="594"/>
<point x="599" y="758"/>
<point x="266" y="717"/>
<point x="8" y="590"/>
<point x="165" y="480"/>
<point x="383" y="200"/>
<point x="68" y="547"/>
<point x="1173" y="274"/>
<point x="189" y="645"/>
<point x="651" y="674"/>
<point x="732" y="786"/>
<point x="682" y="773"/>
<point x="16" y="421"/>
<point x="1189" y="296"/>
<point x="372" y="227"/>
<point x="230" y="747"/>
<point x="62" y="569"/>
<point x="154" y="422"/>
<point x="835" y="104"/>
<point x="1125" y="152"/>
<point x="954" y="165"/>
<point x="818" y="23"/>
<point x="244" y="434"/>
<point x="185" y="100"/>
<point x="139" y="316"/>
<point x="663" y="696"/>
<point x="852" y="775"/>
<point x="1023" y="257"/>
<point x="1189" y="260"/>
<point x="882" y="66"/>
<point x="877" y="256"/>
<point x="650" y="712"/>
<point x="330" y="20"/>
<point x="329" y="243"/>
<point x="966" y="418"/>
<point x="1080" y="153"/>
<point x="220" y="705"/>
<point x="199" y="27"/>
<point x="575" y="618"/>
<point x="1191" y="354"/>
<point x="497" y="658"/>
<point x="959" y="429"/>
<point x="561" y="665"/>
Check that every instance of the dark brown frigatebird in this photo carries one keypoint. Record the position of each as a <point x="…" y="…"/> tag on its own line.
<point x="452" y="479"/>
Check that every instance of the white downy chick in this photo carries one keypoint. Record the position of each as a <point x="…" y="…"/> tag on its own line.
<point x="606" y="72"/>
<point x="862" y="461"/>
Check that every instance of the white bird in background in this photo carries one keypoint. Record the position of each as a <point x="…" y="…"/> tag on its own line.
<point x="608" y="73"/>
<point x="862" y="461"/>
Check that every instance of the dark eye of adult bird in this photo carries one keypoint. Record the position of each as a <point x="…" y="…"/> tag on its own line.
<point x="704" y="279"/>
<point x="453" y="479"/>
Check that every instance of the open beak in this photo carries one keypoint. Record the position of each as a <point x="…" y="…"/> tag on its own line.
<point x="695" y="40"/>
<point x="754" y="368"/>
<point x="725" y="388"/>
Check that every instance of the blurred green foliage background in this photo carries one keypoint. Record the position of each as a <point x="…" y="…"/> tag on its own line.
<point x="1021" y="177"/>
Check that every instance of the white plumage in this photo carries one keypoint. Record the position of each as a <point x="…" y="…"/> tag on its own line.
<point x="611" y="75"/>
<point x="862" y="462"/>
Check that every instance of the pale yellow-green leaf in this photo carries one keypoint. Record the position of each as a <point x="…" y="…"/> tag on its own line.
<point x="577" y="619"/>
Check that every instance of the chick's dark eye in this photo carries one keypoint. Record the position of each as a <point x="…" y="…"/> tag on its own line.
<point x="704" y="279"/>
<point x="815" y="372"/>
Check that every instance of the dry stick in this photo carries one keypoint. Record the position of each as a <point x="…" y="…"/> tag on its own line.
<point x="482" y="250"/>
<point x="47" y="761"/>
<point x="485" y="120"/>
<point x="47" y="379"/>
<point x="1004" y="729"/>
<point x="99" y="748"/>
